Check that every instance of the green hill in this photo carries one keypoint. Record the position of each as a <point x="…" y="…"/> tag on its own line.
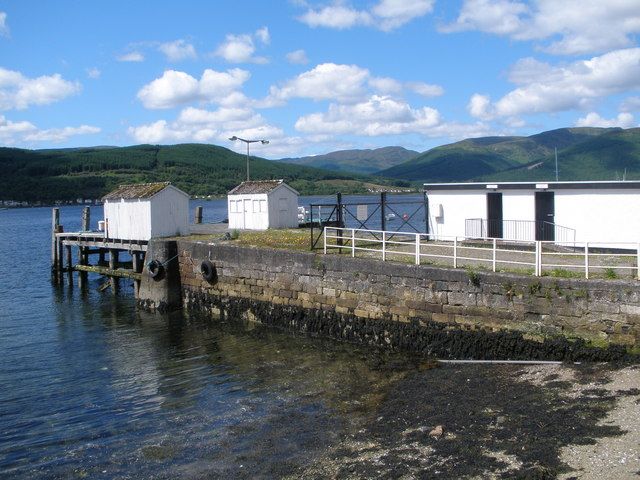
<point x="610" y="156"/>
<point x="66" y="174"/>
<point x="358" y="161"/>
<point x="488" y="157"/>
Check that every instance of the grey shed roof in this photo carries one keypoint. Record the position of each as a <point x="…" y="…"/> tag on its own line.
<point x="139" y="190"/>
<point x="258" y="186"/>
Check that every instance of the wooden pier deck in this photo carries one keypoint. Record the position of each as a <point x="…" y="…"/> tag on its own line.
<point x="89" y="243"/>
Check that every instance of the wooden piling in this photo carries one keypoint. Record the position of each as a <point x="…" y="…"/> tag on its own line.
<point x="198" y="217"/>
<point x="83" y="259"/>
<point x="69" y="264"/>
<point x="55" y="221"/>
<point x="113" y="265"/>
<point x="59" y="255"/>
<point x="101" y="261"/>
<point x="86" y="219"/>
<point x="137" y="268"/>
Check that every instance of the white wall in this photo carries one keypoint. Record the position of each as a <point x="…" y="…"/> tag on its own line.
<point x="601" y="217"/>
<point x="607" y="216"/>
<point x="276" y="209"/>
<point x="456" y="207"/>
<point x="165" y="214"/>
<point x="283" y="208"/>
<point x="249" y="211"/>
<point x="518" y="205"/>
<point x="169" y="213"/>
<point x="128" y="219"/>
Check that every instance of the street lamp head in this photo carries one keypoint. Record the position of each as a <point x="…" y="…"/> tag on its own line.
<point x="233" y="139"/>
<point x="264" y="142"/>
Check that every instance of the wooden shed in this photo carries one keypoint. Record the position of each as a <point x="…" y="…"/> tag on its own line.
<point x="146" y="210"/>
<point x="259" y="205"/>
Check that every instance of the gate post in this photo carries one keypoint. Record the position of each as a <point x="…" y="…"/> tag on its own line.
<point x="383" y="219"/>
<point x="339" y="219"/>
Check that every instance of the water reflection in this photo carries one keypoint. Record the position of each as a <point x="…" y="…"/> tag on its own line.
<point x="114" y="390"/>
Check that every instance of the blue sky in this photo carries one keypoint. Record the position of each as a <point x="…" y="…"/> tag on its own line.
<point x="313" y="77"/>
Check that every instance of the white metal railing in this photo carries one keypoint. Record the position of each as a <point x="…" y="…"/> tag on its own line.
<point x="536" y="256"/>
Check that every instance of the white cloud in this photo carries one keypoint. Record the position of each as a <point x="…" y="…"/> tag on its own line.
<point x="385" y="85"/>
<point x="12" y="133"/>
<point x="379" y="115"/>
<point x="345" y="83"/>
<point x="297" y="57"/>
<point x="19" y="92"/>
<point x="263" y="35"/>
<point x="545" y="89"/>
<point x="131" y="57"/>
<point x="60" y="134"/>
<point x="336" y="16"/>
<point x="241" y="48"/>
<point x="385" y="15"/>
<point x="342" y="83"/>
<point x="93" y="72"/>
<point x="395" y="13"/>
<point x="592" y="119"/>
<point x="178" y="50"/>
<point x="383" y="115"/>
<point x="570" y="27"/>
<point x="502" y="17"/>
<point x="199" y="125"/>
<point x="479" y="106"/>
<point x="425" y="89"/>
<point x="176" y="88"/>
<point x="4" y="28"/>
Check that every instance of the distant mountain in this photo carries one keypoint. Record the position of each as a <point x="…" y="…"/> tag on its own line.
<point x="67" y="174"/>
<point x="357" y="161"/>
<point x="490" y="157"/>
<point x="612" y="155"/>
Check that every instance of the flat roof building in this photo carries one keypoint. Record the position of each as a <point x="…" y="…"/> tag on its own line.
<point x="603" y="212"/>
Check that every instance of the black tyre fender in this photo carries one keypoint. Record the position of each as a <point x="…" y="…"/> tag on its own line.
<point x="208" y="271"/>
<point x="155" y="268"/>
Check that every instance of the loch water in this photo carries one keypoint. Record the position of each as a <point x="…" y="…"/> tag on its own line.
<point x="91" y="387"/>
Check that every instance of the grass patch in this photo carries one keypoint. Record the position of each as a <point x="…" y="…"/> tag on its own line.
<point x="288" y="239"/>
<point x="563" y="273"/>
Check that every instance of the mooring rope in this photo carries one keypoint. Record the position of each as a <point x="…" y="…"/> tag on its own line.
<point x="166" y="261"/>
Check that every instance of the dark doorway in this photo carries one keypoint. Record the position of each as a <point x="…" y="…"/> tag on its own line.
<point x="494" y="215"/>
<point x="545" y="213"/>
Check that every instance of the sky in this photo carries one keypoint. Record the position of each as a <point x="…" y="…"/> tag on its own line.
<point x="312" y="76"/>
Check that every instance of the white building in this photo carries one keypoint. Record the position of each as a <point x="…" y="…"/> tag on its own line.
<point x="602" y="212"/>
<point x="263" y="204"/>
<point x="142" y="211"/>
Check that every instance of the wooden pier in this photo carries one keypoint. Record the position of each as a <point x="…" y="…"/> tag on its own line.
<point x="104" y="251"/>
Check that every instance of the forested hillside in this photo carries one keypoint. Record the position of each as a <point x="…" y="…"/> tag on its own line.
<point x="64" y="174"/>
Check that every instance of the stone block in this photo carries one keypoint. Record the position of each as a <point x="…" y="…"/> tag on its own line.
<point x="462" y="298"/>
<point x="630" y="309"/>
<point x="442" y="317"/>
<point x="347" y="302"/>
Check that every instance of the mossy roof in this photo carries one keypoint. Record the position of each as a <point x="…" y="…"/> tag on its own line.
<point x="138" y="190"/>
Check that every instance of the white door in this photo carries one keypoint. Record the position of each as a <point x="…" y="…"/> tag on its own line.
<point x="246" y="222"/>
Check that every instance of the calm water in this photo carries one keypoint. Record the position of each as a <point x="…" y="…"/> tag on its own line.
<point x="91" y="387"/>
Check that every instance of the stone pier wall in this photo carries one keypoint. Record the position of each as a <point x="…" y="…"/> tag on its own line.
<point x="434" y="310"/>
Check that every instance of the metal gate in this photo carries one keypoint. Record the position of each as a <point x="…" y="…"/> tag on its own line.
<point x="391" y="215"/>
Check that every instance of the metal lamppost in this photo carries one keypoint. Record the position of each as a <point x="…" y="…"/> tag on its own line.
<point x="234" y="138"/>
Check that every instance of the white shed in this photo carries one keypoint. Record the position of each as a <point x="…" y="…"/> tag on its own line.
<point x="263" y="204"/>
<point x="604" y="212"/>
<point x="142" y="211"/>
